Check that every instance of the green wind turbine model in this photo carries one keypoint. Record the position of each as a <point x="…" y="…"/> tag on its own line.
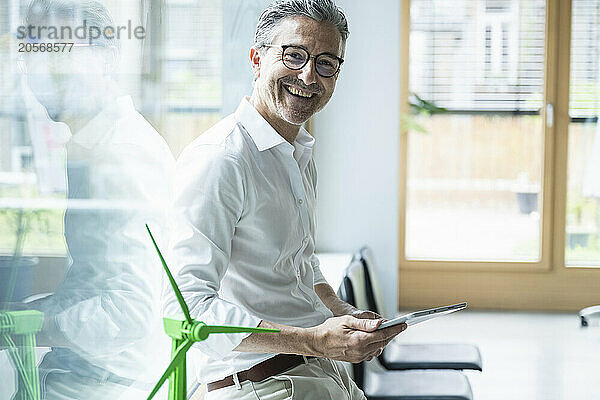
<point x="22" y="325"/>
<point x="18" y="328"/>
<point x="184" y="332"/>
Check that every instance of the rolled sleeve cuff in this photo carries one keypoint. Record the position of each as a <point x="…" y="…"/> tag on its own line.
<point x="319" y="278"/>
<point x="84" y="332"/>
<point x="220" y="345"/>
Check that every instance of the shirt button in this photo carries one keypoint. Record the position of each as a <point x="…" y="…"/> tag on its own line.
<point x="300" y="201"/>
<point x="305" y="241"/>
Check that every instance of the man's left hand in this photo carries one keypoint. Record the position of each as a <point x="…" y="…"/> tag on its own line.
<point x="365" y="314"/>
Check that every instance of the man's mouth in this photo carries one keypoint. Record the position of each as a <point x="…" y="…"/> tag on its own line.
<point x="298" y="92"/>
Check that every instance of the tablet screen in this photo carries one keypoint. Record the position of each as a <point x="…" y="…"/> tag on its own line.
<point x="423" y="315"/>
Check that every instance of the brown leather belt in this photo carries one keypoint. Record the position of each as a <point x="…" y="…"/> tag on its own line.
<point x="261" y="371"/>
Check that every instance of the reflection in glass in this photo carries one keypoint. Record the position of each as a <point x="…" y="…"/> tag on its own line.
<point x="101" y="335"/>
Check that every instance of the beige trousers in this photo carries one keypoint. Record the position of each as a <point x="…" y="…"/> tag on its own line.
<point x="316" y="379"/>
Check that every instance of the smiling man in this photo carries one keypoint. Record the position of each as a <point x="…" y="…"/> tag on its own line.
<point x="243" y="231"/>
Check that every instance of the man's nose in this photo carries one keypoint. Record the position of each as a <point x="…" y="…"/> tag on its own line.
<point x="308" y="73"/>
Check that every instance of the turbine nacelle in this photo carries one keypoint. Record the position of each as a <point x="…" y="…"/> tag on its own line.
<point x="185" y="331"/>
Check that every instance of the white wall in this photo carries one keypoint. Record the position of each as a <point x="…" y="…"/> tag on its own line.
<point x="357" y="143"/>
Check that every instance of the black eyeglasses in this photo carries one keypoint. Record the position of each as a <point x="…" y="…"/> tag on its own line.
<point x="295" y="58"/>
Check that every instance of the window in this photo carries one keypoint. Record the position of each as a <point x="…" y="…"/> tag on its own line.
<point x="179" y="76"/>
<point x="475" y="178"/>
<point x="582" y="245"/>
<point x="504" y="183"/>
<point x="192" y="91"/>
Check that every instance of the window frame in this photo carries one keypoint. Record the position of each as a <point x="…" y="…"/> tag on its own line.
<point x="548" y="284"/>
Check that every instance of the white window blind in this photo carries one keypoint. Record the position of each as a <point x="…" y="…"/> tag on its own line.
<point x="193" y="49"/>
<point x="478" y="55"/>
<point x="585" y="58"/>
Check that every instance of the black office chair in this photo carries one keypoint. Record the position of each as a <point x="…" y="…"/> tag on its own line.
<point x="397" y="356"/>
<point x="380" y="384"/>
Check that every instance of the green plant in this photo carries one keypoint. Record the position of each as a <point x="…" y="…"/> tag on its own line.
<point x="589" y="255"/>
<point x="419" y="108"/>
<point x="580" y="208"/>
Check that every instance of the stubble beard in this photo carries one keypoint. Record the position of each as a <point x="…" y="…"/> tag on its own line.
<point x="294" y="115"/>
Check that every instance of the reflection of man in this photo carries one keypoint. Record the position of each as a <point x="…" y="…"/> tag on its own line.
<point x="103" y="320"/>
<point x="243" y="237"/>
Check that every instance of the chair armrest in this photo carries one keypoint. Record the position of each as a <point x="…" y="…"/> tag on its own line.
<point x="590" y="316"/>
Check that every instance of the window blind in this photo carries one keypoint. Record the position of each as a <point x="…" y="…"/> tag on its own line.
<point x="584" y="99"/>
<point x="193" y="52"/>
<point x="478" y="55"/>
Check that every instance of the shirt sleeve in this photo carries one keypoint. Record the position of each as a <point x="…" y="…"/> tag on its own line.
<point x="208" y="203"/>
<point x="319" y="278"/>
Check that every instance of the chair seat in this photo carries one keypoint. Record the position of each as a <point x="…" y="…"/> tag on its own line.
<point x="398" y="356"/>
<point x="417" y="385"/>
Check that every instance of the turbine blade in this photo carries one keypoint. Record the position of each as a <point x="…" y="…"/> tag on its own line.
<point x="177" y="358"/>
<point x="236" y="329"/>
<point x="178" y="294"/>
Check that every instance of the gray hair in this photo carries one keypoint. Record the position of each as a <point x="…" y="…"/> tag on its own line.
<point x="72" y="12"/>
<point x="319" y="10"/>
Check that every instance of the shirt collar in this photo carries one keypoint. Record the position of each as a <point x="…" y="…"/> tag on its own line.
<point x="98" y="127"/>
<point x="263" y="134"/>
<point x="304" y="141"/>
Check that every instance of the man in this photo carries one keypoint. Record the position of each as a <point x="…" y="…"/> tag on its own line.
<point x="103" y="320"/>
<point x="243" y="237"/>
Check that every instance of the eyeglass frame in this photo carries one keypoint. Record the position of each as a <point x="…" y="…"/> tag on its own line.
<point x="286" y="46"/>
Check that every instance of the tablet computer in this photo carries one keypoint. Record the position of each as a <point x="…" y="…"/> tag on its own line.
<point x="423" y="315"/>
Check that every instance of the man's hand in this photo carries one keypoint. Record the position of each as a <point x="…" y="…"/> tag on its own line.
<point x="362" y="314"/>
<point x="352" y="339"/>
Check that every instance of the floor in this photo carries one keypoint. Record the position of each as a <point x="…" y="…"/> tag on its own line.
<point x="472" y="234"/>
<point x="526" y="356"/>
<point x="534" y="356"/>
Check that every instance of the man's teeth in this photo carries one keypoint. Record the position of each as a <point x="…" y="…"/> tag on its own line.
<point x="299" y="92"/>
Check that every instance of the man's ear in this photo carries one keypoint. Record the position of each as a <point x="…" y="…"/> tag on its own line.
<point x="255" y="61"/>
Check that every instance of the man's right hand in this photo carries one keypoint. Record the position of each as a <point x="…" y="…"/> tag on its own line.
<point x="351" y="339"/>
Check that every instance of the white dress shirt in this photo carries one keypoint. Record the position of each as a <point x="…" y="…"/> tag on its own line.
<point x="242" y="243"/>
